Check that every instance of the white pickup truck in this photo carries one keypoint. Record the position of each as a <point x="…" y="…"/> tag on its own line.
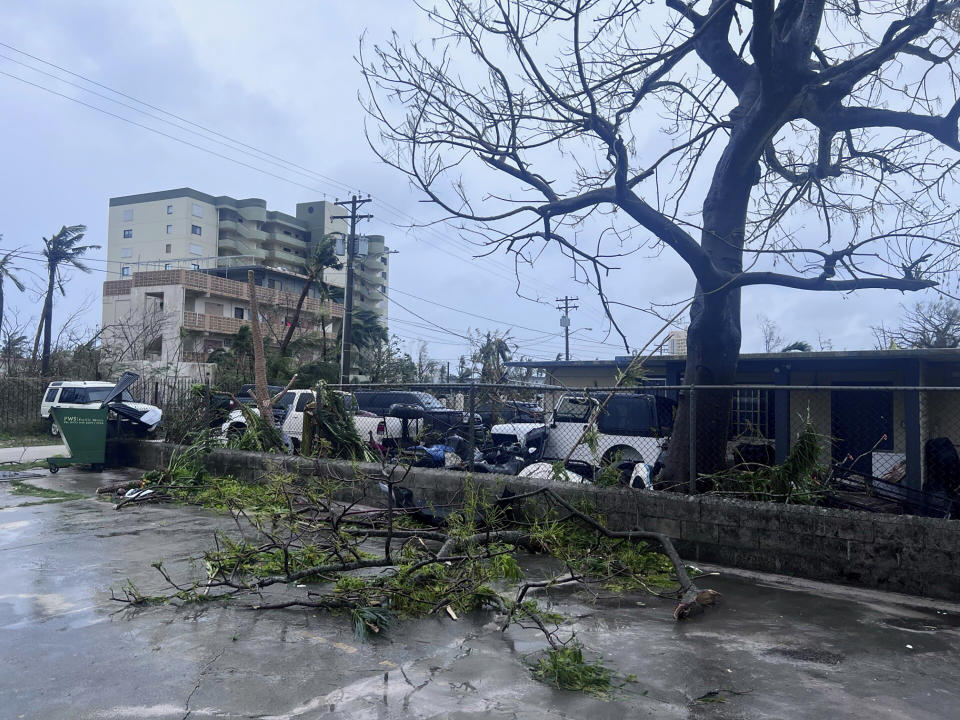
<point x="368" y="425"/>
<point x="632" y="427"/>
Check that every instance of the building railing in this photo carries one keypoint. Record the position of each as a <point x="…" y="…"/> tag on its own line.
<point x="213" y="285"/>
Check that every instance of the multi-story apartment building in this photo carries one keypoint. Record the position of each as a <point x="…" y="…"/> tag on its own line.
<point x="179" y="259"/>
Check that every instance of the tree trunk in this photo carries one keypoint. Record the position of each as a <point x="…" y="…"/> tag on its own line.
<point x="46" y="322"/>
<point x="714" y="335"/>
<point x="296" y="317"/>
<point x="323" y="334"/>
<point x="1" y="307"/>
<point x="260" y="391"/>
<point x="713" y="345"/>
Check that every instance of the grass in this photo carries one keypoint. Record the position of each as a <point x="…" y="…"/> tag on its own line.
<point x="23" y="488"/>
<point x="29" y="440"/>
<point x="16" y="467"/>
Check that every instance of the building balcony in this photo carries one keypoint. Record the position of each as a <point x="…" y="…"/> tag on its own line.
<point x="272" y="328"/>
<point x="212" y="323"/>
<point x="232" y="227"/>
<point x="272" y="237"/>
<point x="238" y="246"/>
<point x="212" y="286"/>
<point x="117" y="287"/>
<point x="283" y="256"/>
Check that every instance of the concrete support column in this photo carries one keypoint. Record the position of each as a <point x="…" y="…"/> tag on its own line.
<point x="781" y="413"/>
<point x="911" y="422"/>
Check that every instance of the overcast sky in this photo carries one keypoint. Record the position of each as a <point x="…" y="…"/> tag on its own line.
<point x="281" y="77"/>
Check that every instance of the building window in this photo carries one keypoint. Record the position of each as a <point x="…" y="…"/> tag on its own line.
<point x="169" y="229"/>
<point x="196" y="230"/>
<point x="125" y="271"/>
<point x="128" y="214"/>
<point x="196" y="210"/>
<point x="169" y="248"/>
<point x="751" y="413"/>
<point x="194" y="266"/>
<point x="168" y="266"/>
<point x="126" y="252"/>
<point x="238" y="313"/>
<point x="272" y="284"/>
<point x="128" y="233"/>
<point x="195" y="249"/>
<point x="169" y="209"/>
<point x="383" y="259"/>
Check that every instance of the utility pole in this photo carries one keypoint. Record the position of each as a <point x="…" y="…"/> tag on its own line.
<point x="345" y="353"/>
<point x="565" y="319"/>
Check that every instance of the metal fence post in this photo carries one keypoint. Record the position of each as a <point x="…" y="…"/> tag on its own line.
<point x="206" y="401"/>
<point x="692" y="405"/>
<point x="470" y="428"/>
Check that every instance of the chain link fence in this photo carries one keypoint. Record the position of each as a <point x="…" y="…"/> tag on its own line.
<point x="875" y="447"/>
<point x="20" y="400"/>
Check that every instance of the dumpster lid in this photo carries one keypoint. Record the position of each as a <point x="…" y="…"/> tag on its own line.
<point x="126" y="380"/>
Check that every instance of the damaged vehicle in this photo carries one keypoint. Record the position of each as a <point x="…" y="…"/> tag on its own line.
<point x="631" y="430"/>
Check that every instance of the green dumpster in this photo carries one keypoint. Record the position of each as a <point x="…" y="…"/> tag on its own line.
<point x="84" y="432"/>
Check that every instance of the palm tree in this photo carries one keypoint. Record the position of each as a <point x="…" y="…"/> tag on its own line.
<point x="324" y="256"/>
<point x="494" y="350"/>
<point x="366" y="330"/>
<point x="14" y="346"/>
<point x="61" y="251"/>
<point x="6" y="273"/>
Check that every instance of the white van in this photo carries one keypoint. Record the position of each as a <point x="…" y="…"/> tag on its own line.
<point x="82" y="394"/>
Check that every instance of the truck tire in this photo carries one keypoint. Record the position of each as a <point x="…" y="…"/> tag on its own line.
<point x="54" y="430"/>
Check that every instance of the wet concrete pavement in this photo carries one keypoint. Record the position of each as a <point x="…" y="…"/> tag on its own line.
<point x="30" y="454"/>
<point x="773" y="650"/>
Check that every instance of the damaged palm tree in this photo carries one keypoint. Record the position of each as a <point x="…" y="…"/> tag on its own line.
<point x="261" y="431"/>
<point x="329" y="431"/>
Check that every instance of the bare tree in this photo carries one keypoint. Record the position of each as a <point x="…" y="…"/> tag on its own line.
<point x="770" y="332"/>
<point x="136" y="335"/>
<point x="926" y="325"/>
<point x="806" y="144"/>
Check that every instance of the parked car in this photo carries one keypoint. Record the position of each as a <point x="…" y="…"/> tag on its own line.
<point x="290" y="419"/>
<point x="85" y="394"/>
<point x="632" y="428"/>
<point x="436" y="417"/>
<point x="507" y="411"/>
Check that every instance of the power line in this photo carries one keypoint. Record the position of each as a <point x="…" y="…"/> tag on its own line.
<point x="489" y="319"/>
<point x="397" y="212"/>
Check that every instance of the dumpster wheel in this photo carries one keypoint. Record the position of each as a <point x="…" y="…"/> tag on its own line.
<point x="54" y="469"/>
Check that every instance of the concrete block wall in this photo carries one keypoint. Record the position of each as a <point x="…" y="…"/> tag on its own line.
<point x="919" y="556"/>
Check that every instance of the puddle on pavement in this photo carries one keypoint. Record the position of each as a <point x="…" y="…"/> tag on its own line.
<point x="807" y="654"/>
<point x="929" y="623"/>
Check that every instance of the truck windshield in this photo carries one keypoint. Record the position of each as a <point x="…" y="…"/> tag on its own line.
<point x="430" y="402"/>
<point x="574" y="409"/>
